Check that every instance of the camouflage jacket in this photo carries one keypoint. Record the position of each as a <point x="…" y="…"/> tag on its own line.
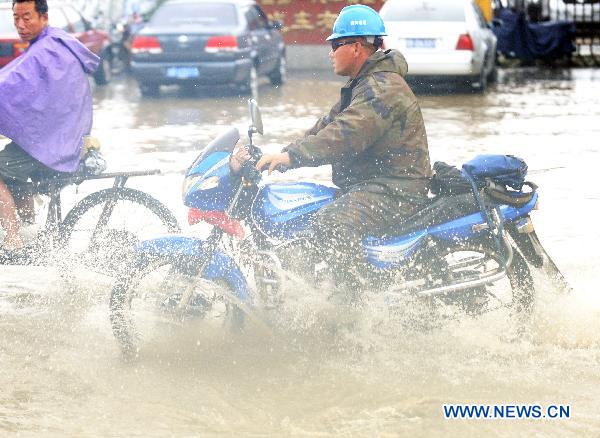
<point x="374" y="135"/>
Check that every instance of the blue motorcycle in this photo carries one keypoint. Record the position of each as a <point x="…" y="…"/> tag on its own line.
<point x="453" y="252"/>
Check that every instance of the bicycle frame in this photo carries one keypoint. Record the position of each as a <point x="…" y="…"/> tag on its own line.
<point x="55" y="186"/>
<point x="51" y="232"/>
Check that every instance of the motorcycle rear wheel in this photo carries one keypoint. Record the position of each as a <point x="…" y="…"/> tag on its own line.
<point x="464" y="263"/>
<point x="146" y="303"/>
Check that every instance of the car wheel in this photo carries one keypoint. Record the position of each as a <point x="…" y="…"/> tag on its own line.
<point x="493" y="75"/>
<point x="480" y="84"/>
<point x="103" y="74"/>
<point x="250" y="85"/>
<point x="279" y="74"/>
<point x="149" y="90"/>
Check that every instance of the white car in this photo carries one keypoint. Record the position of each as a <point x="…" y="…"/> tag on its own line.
<point x="442" y="39"/>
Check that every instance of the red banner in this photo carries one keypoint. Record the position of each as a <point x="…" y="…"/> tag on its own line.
<point x="309" y="21"/>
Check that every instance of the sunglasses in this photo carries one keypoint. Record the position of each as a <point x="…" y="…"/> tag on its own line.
<point x="337" y="44"/>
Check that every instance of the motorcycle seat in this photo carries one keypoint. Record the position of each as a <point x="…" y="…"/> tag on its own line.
<point x="439" y="210"/>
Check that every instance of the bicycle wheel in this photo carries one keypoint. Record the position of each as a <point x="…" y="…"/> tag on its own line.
<point x="163" y="298"/>
<point x="102" y="230"/>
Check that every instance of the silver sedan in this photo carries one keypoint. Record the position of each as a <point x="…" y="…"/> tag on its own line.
<point x="442" y="39"/>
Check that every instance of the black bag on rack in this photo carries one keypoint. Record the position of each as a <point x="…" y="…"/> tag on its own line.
<point x="448" y="180"/>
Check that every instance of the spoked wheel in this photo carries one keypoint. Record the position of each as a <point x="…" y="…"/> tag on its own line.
<point x="468" y="265"/>
<point x="103" y="229"/>
<point x="165" y="295"/>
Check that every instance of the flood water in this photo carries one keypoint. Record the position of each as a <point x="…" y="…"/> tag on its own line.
<point x="61" y="373"/>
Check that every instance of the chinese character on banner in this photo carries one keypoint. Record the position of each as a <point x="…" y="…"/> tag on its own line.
<point x="325" y="20"/>
<point x="309" y="21"/>
<point x="302" y="21"/>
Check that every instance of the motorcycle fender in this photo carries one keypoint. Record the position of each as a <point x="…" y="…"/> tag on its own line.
<point x="221" y="267"/>
<point x="529" y="246"/>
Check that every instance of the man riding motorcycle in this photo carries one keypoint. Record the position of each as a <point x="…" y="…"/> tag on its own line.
<point x="45" y="109"/>
<point x="375" y="140"/>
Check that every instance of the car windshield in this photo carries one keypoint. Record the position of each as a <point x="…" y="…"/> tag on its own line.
<point x="423" y="10"/>
<point x="6" y="21"/>
<point x="205" y="14"/>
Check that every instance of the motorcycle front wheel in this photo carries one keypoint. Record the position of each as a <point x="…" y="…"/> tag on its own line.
<point x="163" y="296"/>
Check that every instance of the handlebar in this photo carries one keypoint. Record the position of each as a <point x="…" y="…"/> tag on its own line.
<point x="248" y="168"/>
<point x="257" y="154"/>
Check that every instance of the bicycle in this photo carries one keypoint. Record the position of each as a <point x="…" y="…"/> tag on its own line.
<point x="88" y="233"/>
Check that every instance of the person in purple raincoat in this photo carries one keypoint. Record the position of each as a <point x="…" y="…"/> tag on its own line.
<point x="45" y="109"/>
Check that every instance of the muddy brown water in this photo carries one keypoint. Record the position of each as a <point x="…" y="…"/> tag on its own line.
<point x="61" y="373"/>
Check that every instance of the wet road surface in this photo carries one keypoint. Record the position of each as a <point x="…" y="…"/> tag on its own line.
<point x="62" y="374"/>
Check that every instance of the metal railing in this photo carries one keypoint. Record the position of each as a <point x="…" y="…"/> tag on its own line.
<point x="584" y="13"/>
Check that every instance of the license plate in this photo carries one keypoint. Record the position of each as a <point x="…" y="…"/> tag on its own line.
<point x="420" y="43"/>
<point x="182" y="72"/>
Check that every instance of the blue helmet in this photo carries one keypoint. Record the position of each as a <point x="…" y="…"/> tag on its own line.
<point x="357" y="20"/>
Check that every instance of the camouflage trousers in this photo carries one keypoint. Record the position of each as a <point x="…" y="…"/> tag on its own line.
<point x="340" y="228"/>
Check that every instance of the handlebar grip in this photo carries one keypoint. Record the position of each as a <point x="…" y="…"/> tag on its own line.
<point x="255" y="152"/>
<point x="281" y="168"/>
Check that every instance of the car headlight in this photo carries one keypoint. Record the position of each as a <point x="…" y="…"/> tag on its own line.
<point x="207" y="184"/>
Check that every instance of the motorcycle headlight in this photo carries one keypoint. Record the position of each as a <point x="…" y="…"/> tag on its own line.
<point x="207" y="184"/>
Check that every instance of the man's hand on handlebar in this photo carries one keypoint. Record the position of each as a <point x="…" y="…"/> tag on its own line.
<point x="240" y="157"/>
<point x="280" y="162"/>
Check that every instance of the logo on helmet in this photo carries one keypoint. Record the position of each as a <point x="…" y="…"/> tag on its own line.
<point x="357" y="20"/>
